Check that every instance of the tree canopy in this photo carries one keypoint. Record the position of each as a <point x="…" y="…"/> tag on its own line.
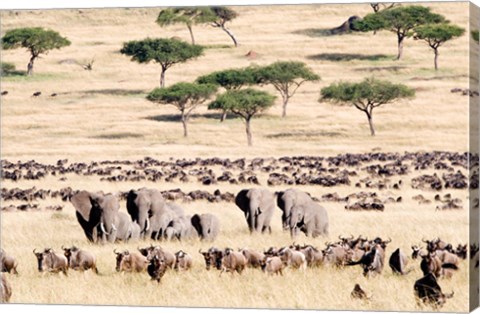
<point x="166" y="52"/>
<point x="366" y="95"/>
<point x="399" y="20"/>
<point x="245" y="103"/>
<point x="184" y="96"/>
<point x="230" y="79"/>
<point x="286" y="77"/>
<point x="186" y="15"/>
<point x="36" y="40"/>
<point x="436" y="35"/>
<point x="218" y="16"/>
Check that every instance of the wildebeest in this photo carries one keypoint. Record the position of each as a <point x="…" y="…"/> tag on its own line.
<point x="233" y="261"/>
<point x="294" y="259"/>
<point x="157" y="268"/>
<point x="372" y="261"/>
<point x="167" y="256"/>
<point x="50" y="261"/>
<point x="36" y="94"/>
<point x="398" y="262"/>
<point x="429" y="292"/>
<point x="254" y="258"/>
<point x="8" y="263"/>
<point x="80" y="259"/>
<point x="130" y="262"/>
<point x="417" y="251"/>
<point x="183" y="261"/>
<point x="313" y="256"/>
<point x="337" y="255"/>
<point x="431" y="264"/>
<point x="213" y="258"/>
<point x="273" y="265"/>
<point x="5" y="289"/>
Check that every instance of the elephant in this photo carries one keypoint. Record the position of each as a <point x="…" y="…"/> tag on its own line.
<point x="258" y="206"/>
<point x="142" y="205"/>
<point x="207" y="226"/>
<point x="126" y="228"/>
<point x="301" y="212"/>
<point x="97" y="214"/>
<point x="181" y="228"/>
<point x="100" y="219"/>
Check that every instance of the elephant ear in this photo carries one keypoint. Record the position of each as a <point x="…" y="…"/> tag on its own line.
<point x="280" y="201"/>
<point x="81" y="202"/>
<point x="132" y="207"/>
<point x="242" y="200"/>
<point x="309" y="213"/>
<point x="196" y="223"/>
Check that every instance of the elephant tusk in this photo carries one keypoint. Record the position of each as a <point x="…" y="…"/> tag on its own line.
<point x="102" y="227"/>
<point x="113" y="227"/>
<point x="148" y="225"/>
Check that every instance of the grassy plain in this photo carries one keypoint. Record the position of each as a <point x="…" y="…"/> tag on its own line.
<point x="103" y="114"/>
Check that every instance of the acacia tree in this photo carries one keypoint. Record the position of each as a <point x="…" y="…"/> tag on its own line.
<point x="188" y="16"/>
<point x="400" y="20"/>
<point x="366" y="95"/>
<point x="245" y="103"/>
<point x="36" y="40"/>
<point x="184" y="96"/>
<point x="218" y="17"/>
<point x="230" y="79"/>
<point x="286" y="77"/>
<point x="166" y="52"/>
<point x="436" y="35"/>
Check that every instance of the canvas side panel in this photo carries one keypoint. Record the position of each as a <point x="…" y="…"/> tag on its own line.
<point x="474" y="150"/>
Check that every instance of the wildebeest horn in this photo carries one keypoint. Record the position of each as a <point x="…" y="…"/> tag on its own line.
<point x="388" y="241"/>
<point x="35" y="251"/>
<point x="423" y="240"/>
<point x="115" y="251"/>
<point x="63" y="247"/>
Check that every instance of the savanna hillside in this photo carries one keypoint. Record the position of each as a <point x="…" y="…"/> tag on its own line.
<point x="103" y="115"/>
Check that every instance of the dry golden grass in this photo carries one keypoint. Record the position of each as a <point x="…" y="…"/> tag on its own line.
<point x="102" y="114"/>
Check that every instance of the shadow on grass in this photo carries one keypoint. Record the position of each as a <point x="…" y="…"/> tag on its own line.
<point x="13" y="73"/>
<point x="303" y="134"/>
<point x="349" y="57"/>
<point x="318" y="32"/>
<point x="380" y="69"/>
<point x="177" y="117"/>
<point x="115" y="92"/>
<point x="117" y="136"/>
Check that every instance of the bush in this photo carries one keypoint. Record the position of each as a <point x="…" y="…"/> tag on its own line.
<point x="6" y="68"/>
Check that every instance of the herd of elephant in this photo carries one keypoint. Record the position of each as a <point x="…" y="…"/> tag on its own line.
<point x="151" y="217"/>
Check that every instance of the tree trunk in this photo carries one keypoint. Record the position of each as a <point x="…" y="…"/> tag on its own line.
<point x="30" y="66"/>
<point x="285" y="102"/>
<point x="191" y="34"/>
<point x="226" y="30"/>
<point x="248" y="130"/>
<point x="370" y="123"/>
<point x="162" y="77"/>
<point x="400" y="46"/>
<point x="224" y="115"/>
<point x="184" y="123"/>
<point x="435" y="60"/>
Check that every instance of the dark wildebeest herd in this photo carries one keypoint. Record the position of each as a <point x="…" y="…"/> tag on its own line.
<point x="156" y="215"/>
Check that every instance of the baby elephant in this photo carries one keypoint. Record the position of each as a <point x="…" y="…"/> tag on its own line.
<point x="80" y="260"/>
